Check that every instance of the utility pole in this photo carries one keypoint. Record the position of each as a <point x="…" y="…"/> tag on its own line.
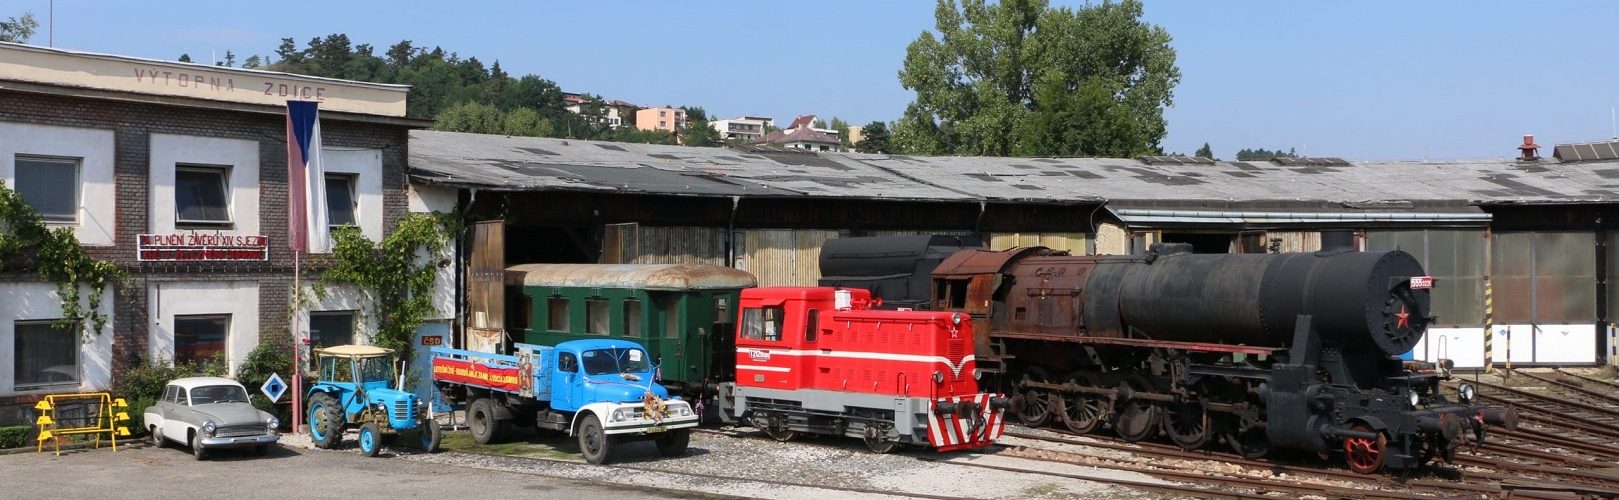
<point x="50" y="26"/>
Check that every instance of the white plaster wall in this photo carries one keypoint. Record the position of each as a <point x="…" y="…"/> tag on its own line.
<point x="38" y="301"/>
<point x="98" y="201"/>
<point x="241" y="156"/>
<point x="366" y="166"/>
<point x="1463" y="346"/>
<point x="339" y="298"/>
<point x="239" y="299"/>
<point x="1547" y="343"/>
<point x="426" y="199"/>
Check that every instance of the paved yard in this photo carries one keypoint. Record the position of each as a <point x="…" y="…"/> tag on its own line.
<point x="148" y="472"/>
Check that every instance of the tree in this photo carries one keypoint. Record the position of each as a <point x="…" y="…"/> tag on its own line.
<point x="875" y="140"/>
<point x="229" y="62"/>
<point x="695" y="114"/>
<point x="471" y="117"/>
<point x="1262" y="154"/>
<point x="288" y="54"/>
<point x="843" y="131"/>
<point x="252" y="62"/>
<point x="18" y="29"/>
<point x="185" y="58"/>
<point x="1205" y="152"/>
<point x="1021" y="78"/>
<point x="699" y="133"/>
<point x="526" y="121"/>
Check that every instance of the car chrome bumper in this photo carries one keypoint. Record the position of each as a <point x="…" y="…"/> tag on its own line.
<point x="235" y="441"/>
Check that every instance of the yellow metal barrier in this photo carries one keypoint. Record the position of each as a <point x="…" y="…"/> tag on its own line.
<point x="110" y="417"/>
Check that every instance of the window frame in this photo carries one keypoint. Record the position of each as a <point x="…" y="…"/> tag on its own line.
<point x="634" y="324"/>
<point x="598" y="309"/>
<point x="353" y="181"/>
<point x="748" y="319"/>
<point x="812" y="325"/>
<point x="49" y="324"/>
<point x="551" y="316"/>
<point x="77" y="163"/>
<point x="224" y="172"/>
<point x="354" y="324"/>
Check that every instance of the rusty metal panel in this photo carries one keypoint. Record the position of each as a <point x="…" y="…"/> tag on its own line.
<point x="486" y="302"/>
<point x="1046" y="294"/>
<point x="620" y="243"/>
<point x="973" y="262"/>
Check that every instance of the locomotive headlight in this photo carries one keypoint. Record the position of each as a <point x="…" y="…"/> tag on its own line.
<point x="955" y="319"/>
<point x="1415" y="398"/>
<point x="938" y="377"/>
<point x="978" y="374"/>
<point x="1467" y="392"/>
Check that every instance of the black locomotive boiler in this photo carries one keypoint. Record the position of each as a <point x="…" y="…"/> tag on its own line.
<point x="1259" y="351"/>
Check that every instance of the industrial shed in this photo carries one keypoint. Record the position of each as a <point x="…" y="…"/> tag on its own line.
<point x="1537" y="229"/>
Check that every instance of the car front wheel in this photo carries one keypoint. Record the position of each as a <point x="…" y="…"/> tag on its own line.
<point x="196" y="447"/>
<point x="157" y="437"/>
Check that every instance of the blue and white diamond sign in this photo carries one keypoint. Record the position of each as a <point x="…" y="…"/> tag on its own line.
<point x="274" y="387"/>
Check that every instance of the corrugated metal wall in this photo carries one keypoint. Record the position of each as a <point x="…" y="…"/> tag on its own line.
<point x="1074" y="243"/>
<point x="782" y="257"/>
<point x="681" y="245"/>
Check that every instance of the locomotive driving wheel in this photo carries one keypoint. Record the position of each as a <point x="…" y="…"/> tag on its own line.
<point x="775" y="426"/>
<point x="1136" y="419"/>
<point x="1187" y="424"/>
<point x="1365" y="455"/>
<point x="1036" y="409"/>
<point x="1082" y="412"/>
<point x="877" y="441"/>
<point x="1244" y="431"/>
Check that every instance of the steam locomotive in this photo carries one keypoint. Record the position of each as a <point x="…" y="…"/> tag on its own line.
<point x="1259" y="351"/>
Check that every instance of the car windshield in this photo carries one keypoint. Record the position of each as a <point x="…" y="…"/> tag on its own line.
<point x="210" y="394"/>
<point x="615" y="360"/>
<point x="376" y="369"/>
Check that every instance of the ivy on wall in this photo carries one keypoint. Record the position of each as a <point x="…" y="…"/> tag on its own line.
<point x="398" y="283"/>
<point x="26" y="242"/>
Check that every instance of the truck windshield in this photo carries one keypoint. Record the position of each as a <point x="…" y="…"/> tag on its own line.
<point x="615" y="360"/>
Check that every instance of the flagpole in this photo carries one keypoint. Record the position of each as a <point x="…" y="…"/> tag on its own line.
<point x="297" y="351"/>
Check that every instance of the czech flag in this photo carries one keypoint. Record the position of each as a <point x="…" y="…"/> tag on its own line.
<point x="306" y="180"/>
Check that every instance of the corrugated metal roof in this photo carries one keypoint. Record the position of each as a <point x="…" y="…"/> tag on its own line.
<point x="637" y="276"/>
<point x="533" y="164"/>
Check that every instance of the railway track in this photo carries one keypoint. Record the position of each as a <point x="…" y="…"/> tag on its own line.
<point x="1598" y="423"/>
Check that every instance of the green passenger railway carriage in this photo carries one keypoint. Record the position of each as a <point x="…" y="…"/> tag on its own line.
<point x="682" y="313"/>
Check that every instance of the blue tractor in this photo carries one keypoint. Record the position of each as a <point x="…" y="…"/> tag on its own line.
<point x="358" y="386"/>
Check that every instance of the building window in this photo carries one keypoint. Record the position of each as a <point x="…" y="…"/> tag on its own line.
<point x="45" y="355"/>
<point x="557" y="314"/>
<point x="662" y="123"/>
<point x="51" y="186"/>
<point x="632" y="318"/>
<point x="596" y="315"/>
<point x="331" y="328"/>
<point x="200" y="339"/>
<point x="341" y="204"/>
<point x="202" y="196"/>
<point x="1551" y="276"/>
<point x="662" y="113"/>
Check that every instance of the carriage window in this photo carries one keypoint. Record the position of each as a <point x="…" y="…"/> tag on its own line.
<point x="722" y="310"/>
<point x="632" y="318"/>
<point x="596" y="315"/>
<point x="812" y="325"/>
<point x="557" y="314"/>
<point x="762" y="323"/>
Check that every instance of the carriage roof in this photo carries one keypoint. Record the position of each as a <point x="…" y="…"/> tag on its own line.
<point x="667" y="277"/>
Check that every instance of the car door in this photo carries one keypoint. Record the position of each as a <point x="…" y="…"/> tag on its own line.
<point x="157" y="414"/>
<point x="176" y="414"/>
<point x="567" y="384"/>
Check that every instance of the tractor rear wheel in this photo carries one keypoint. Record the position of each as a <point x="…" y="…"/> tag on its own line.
<point x="325" y="421"/>
<point x="486" y="426"/>
<point x="673" y="443"/>
<point x="593" y="443"/>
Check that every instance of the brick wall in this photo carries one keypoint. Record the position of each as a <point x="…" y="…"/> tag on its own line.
<point x="133" y="123"/>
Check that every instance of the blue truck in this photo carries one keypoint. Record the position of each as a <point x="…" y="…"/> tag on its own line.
<point x="601" y="391"/>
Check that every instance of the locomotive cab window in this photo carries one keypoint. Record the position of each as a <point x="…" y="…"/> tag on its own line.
<point x="812" y="324"/>
<point x="762" y="323"/>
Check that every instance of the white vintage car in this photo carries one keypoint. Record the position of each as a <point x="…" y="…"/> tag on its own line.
<point x="208" y="413"/>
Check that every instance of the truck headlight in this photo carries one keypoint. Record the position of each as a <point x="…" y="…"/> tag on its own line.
<point x="272" y="424"/>
<point x="1415" y="398"/>
<point x="618" y="415"/>
<point x="1468" y="392"/>
<point x="685" y="410"/>
<point x="208" y="427"/>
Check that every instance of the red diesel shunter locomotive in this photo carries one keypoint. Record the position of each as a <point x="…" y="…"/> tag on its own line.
<point x="819" y="360"/>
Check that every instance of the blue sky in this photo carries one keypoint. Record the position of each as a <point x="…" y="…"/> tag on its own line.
<point x="1362" y="80"/>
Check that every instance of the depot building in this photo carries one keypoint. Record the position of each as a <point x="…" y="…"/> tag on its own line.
<point x="177" y="173"/>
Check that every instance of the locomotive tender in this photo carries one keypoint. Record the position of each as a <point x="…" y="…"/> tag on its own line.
<point x="1294" y="351"/>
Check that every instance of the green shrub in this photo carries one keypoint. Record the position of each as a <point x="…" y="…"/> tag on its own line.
<point x="272" y="355"/>
<point x="282" y="412"/>
<point x="137" y="415"/>
<point x="15" y="436"/>
<point x="147" y="379"/>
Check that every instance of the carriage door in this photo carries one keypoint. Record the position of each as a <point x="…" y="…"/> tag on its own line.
<point x="671" y="338"/>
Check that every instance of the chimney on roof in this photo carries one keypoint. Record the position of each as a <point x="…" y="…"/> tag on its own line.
<point x="1529" y="151"/>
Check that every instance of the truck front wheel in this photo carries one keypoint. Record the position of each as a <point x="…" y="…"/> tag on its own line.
<point x="592" y="441"/>
<point x="673" y="443"/>
<point x="486" y="426"/>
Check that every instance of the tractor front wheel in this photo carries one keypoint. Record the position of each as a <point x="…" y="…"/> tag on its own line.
<point x="370" y="440"/>
<point x="593" y="443"/>
<point x="325" y="421"/>
<point x="429" y="434"/>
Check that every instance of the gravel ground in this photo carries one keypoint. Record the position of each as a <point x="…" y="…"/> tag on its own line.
<point x="726" y="465"/>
